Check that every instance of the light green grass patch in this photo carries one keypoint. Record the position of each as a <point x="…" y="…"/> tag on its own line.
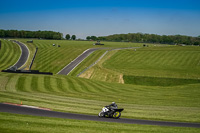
<point x="173" y="62"/>
<point x="23" y="123"/>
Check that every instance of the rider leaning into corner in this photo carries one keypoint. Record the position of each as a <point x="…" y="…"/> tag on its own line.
<point x="112" y="106"/>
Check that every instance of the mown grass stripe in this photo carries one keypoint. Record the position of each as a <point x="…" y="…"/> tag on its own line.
<point x="27" y="84"/>
<point x="34" y="83"/>
<point x="3" y="83"/>
<point x="60" y="86"/>
<point x="65" y="84"/>
<point x="78" y="86"/>
<point x="5" y="51"/>
<point x="72" y="86"/>
<point x="11" y="55"/>
<point x="54" y="85"/>
<point x="12" y="82"/>
<point x="94" y="86"/>
<point x="84" y="87"/>
<point x="20" y="84"/>
<point x="171" y="57"/>
<point x="47" y="84"/>
<point x="104" y="87"/>
<point x="41" y="84"/>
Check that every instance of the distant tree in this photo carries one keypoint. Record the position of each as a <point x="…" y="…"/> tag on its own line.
<point x="101" y="38"/>
<point x="196" y="43"/>
<point x="88" y="37"/>
<point x="67" y="36"/>
<point x="94" y="38"/>
<point x="2" y="33"/>
<point x="56" y="37"/>
<point x="73" y="37"/>
<point x="31" y="34"/>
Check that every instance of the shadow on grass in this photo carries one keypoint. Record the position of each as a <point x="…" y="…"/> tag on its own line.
<point x="157" y="81"/>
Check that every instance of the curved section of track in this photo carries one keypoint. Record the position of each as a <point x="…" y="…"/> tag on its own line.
<point x="46" y="113"/>
<point x="24" y="55"/>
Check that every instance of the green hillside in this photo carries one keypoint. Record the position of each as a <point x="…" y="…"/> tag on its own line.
<point x="175" y="62"/>
<point x="9" y="54"/>
<point x="156" y="65"/>
<point x="156" y="83"/>
<point x="78" y="95"/>
<point x="53" y="58"/>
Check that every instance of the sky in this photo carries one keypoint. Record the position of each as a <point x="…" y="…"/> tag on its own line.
<point x="102" y="17"/>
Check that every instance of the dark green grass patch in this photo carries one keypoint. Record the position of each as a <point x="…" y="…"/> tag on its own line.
<point x="47" y="83"/>
<point x="20" y="83"/>
<point x="157" y="81"/>
<point x="34" y="83"/>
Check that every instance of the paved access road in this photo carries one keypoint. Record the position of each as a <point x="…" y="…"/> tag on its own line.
<point x="67" y="69"/>
<point x="24" y="55"/>
<point x="46" y="113"/>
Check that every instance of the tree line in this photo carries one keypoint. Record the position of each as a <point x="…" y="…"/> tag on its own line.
<point x="34" y="34"/>
<point x="149" y="38"/>
<point x="31" y="34"/>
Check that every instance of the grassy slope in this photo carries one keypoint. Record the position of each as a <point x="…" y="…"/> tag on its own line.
<point x="173" y="62"/>
<point x="53" y="59"/>
<point x="9" y="54"/>
<point x="100" y="73"/>
<point x="70" y="94"/>
<point x="149" y="64"/>
<point x="23" y="124"/>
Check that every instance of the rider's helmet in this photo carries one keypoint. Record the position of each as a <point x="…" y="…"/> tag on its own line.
<point x="113" y="102"/>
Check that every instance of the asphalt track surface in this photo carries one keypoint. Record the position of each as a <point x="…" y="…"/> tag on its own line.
<point x="24" y="55"/>
<point x="67" y="69"/>
<point x="47" y="113"/>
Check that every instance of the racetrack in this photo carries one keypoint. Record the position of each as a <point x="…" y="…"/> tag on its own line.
<point x="67" y="69"/>
<point x="24" y="55"/>
<point x="47" y="113"/>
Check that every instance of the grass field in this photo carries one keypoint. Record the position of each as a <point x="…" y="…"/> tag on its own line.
<point x="175" y="62"/>
<point x="154" y="63"/>
<point x="52" y="58"/>
<point x="9" y="54"/>
<point x="157" y="83"/>
<point x="77" y="95"/>
<point x="23" y="124"/>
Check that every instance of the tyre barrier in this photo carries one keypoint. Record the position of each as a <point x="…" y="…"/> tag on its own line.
<point x="27" y="72"/>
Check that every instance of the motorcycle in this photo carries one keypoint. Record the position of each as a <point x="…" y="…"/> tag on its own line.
<point x="110" y="113"/>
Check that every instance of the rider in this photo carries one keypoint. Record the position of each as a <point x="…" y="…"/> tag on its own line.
<point x="111" y="107"/>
